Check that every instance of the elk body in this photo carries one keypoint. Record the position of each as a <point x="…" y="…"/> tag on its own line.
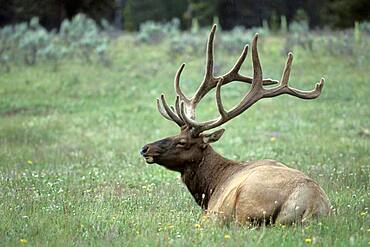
<point x="263" y="191"/>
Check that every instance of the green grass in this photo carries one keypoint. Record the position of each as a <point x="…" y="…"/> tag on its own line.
<point x="71" y="174"/>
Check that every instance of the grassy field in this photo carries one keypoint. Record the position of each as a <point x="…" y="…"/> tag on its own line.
<point x="71" y="173"/>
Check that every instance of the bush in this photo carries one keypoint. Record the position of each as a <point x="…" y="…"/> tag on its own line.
<point x="5" y="47"/>
<point x="154" y="32"/>
<point x="234" y="40"/>
<point x="29" y="42"/>
<point x="186" y="42"/>
<point x="347" y="44"/>
<point x="84" y="37"/>
<point x="365" y="27"/>
<point x="299" y="36"/>
<point x="33" y="41"/>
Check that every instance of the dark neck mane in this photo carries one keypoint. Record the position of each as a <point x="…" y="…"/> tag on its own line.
<point x="202" y="179"/>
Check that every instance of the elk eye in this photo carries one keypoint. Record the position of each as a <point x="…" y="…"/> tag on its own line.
<point x="181" y="143"/>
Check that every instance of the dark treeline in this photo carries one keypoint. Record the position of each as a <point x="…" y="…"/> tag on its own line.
<point x="128" y="14"/>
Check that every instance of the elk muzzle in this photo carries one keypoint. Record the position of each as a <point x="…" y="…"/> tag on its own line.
<point x="148" y="154"/>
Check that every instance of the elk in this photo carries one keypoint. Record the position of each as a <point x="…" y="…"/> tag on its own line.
<point x="263" y="191"/>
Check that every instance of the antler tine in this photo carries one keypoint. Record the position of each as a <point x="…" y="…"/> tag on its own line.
<point x="177" y="108"/>
<point x="170" y="112"/>
<point x="177" y="84"/>
<point x="249" y="99"/>
<point x="286" y="72"/>
<point x="205" y="86"/>
<point x="257" y="69"/>
<point x="190" y="122"/>
<point x="284" y="88"/>
<point x="162" y="111"/>
<point x="209" y="59"/>
<point x="210" y="81"/>
<point x="233" y="74"/>
<point x="220" y="106"/>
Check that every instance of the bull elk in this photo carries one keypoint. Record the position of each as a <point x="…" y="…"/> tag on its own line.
<point x="263" y="191"/>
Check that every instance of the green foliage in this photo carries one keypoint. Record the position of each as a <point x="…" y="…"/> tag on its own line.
<point x="234" y="40"/>
<point x="357" y="32"/>
<point x="136" y="13"/>
<point x="265" y="25"/>
<point x="352" y="44"/>
<point x="195" y="27"/>
<point x="84" y="37"/>
<point x="274" y="22"/>
<point x="153" y="32"/>
<point x="194" y="41"/>
<point x="283" y="24"/>
<point x="71" y="174"/>
<point x="299" y="27"/>
<point x="347" y="44"/>
<point x="344" y="13"/>
<point x="6" y="44"/>
<point x="203" y="11"/>
<point x="365" y="27"/>
<point x="333" y="13"/>
<point x="299" y="36"/>
<point x="300" y="16"/>
<point x="186" y="43"/>
<point x="31" y="42"/>
<point x="129" y="24"/>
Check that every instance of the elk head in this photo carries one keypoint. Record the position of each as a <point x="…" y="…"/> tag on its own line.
<point x="187" y="148"/>
<point x="179" y="151"/>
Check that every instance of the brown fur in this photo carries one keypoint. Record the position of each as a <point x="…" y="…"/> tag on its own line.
<point x="264" y="191"/>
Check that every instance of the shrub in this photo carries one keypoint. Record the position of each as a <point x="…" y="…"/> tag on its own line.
<point x="299" y="36"/>
<point x="84" y="37"/>
<point x="33" y="41"/>
<point x="153" y="32"/>
<point x="186" y="42"/>
<point x="28" y="42"/>
<point x="234" y="40"/>
<point x="5" y="47"/>
<point x="346" y="44"/>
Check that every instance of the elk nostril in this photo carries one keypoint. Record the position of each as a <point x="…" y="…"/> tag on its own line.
<point x="144" y="150"/>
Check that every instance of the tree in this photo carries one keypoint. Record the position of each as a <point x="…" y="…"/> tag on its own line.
<point x="344" y="13"/>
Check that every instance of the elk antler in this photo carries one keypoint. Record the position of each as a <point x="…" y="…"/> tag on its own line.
<point x="184" y="111"/>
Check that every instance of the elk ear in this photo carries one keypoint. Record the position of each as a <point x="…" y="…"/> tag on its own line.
<point x="213" y="137"/>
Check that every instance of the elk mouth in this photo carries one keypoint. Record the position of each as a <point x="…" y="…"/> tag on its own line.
<point x="149" y="159"/>
<point x="149" y="155"/>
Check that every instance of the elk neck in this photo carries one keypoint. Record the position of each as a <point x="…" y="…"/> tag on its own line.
<point x="203" y="178"/>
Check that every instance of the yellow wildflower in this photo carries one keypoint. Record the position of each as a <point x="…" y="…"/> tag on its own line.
<point x="197" y="225"/>
<point x="23" y="241"/>
<point x="273" y="138"/>
<point x="227" y="236"/>
<point x="308" y="240"/>
<point x="205" y="217"/>
<point x="169" y="226"/>
<point x="29" y="162"/>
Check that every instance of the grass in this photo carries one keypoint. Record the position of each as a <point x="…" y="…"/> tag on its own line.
<point x="71" y="174"/>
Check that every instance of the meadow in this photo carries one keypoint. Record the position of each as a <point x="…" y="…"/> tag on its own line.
<point x="71" y="173"/>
